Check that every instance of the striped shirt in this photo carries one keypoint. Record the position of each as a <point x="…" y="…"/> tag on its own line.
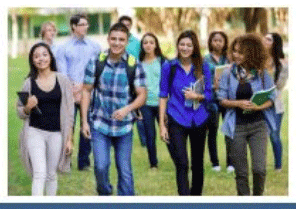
<point x="112" y="94"/>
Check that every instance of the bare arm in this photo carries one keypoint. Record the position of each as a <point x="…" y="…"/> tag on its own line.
<point x="137" y="103"/>
<point x="245" y="104"/>
<point x="163" y="129"/>
<point x="84" y="105"/>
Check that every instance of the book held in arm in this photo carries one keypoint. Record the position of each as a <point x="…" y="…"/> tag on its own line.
<point x="198" y="87"/>
<point x="261" y="97"/>
<point x="24" y="99"/>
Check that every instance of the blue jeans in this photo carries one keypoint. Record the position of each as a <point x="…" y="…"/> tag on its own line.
<point x="150" y="113"/>
<point x="275" y="137"/>
<point x="84" y="149"/>
<point x="141" y="132"/>
<point x="123" y="152"/>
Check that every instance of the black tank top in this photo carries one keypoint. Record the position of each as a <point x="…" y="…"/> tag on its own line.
<point x="50" y="104"/>
<point x="244" y="91"/>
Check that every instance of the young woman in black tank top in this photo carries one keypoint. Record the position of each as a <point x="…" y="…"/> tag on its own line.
<point x="48" y="135"/>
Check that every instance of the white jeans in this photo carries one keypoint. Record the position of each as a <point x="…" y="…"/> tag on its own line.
<point x="45" y="150"/>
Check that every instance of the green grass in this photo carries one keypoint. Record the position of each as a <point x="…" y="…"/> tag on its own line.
<point x="147" y="183"/>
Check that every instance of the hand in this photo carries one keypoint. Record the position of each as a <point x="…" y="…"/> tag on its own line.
<point x="254" y="107"/>
<point x="216" y="82"/>
<point x="85" y="129"/>
<point x="69" y="146"/>
<point x="164" y="135"/>
<point x="189" y="94"/>
<point x="32" y="102"/>
<point x="245" y="104"/>
<point x="120" y="113"/>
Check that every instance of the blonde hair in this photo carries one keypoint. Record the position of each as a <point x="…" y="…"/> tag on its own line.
<point x="45" y="25"/>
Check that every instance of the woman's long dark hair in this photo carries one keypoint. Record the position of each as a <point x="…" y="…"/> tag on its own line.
<point x="277" y="54"/>
<point x="196" y="55"/>
<point x="33" y="70"/>
<point x="157" y="51"/>
<point x="224" y="49"/>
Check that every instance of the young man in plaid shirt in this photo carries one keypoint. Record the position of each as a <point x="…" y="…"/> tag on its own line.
<point x="111" y="116"/>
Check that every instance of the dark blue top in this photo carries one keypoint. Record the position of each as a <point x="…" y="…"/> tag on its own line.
<point x="185" y="116"/>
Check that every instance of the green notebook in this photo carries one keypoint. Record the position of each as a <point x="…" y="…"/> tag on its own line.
<point x="261" y="97"/>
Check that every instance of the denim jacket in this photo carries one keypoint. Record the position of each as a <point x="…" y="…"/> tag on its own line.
<point x="228" y="85"/>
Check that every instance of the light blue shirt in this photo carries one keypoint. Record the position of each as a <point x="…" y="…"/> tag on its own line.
<point x="227" y="90"/>
<point x="134" y="46"/>
<point x="73" y="56"/>
<point x="153" y="73"/>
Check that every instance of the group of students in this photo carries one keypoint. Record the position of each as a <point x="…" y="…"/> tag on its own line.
<point x="133" y="81"/>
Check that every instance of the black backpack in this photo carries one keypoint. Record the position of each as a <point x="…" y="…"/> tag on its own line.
<point x="130" y="71"/>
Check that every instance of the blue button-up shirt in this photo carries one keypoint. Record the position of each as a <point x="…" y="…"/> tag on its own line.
<point x="228" y="85"/>
<point x="112" y="94"/>
<point x="74" y="55"/>
<point x="185" y="116"/>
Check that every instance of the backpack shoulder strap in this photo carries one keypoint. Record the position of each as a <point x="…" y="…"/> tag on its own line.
<point x="131" y="66"/>
<point x="173" y="68"/>
<point x="100" y="64"/>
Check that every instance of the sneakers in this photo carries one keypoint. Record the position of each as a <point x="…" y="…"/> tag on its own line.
<point x="230" y="169"/>
<point x="216" y="168"/>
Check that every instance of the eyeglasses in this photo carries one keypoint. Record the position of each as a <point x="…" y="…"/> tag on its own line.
<point x="82" y="24"/>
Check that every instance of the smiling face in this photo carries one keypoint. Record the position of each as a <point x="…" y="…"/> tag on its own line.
<point x="185" y="48"/>
<point x="218" y="42"/>
<point x="117" y="41"/>
<point x="41" y="58"/>
<point x="81" y="28"/>
<point x="49" y="33"/>
<point x="149" y="45"/>
<point x="238" y="56"/>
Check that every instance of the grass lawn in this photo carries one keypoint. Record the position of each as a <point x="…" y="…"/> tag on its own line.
<point x="147" y="183"/>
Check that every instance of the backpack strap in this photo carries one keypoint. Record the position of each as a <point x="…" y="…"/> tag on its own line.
<point x="172" y="74"/>
<point x="131" y="74"/>
<point x="100" y="64"/>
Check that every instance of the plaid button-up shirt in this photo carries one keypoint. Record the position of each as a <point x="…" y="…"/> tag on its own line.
<point x="111" y="95"/>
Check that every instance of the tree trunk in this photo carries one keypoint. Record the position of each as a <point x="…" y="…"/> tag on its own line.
<point x="14" y="45"/>
<point x="263" y="22"/>
<point x="25" y="33"/>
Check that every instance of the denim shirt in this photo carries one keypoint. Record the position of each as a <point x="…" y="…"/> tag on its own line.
<point x="185" y="116"/>
<point x="227" y="90"/>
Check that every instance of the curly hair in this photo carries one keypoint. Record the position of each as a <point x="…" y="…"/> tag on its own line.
<point x="231" y="49"/>
<point x="251" y="46"/>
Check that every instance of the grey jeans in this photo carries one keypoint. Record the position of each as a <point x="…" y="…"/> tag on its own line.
<point x="255" y="135"/>
<point x="45" y="151"/>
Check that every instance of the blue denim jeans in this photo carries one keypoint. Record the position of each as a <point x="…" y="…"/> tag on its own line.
<point x="275" y="137"/>
<point x="84" y="149"/>
<point x="141" y="132"/>
<point x="150" y="114"/>
<point x="123" y="152"/>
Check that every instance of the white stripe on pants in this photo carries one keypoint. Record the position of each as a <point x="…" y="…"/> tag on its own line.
<point x="45" y="150"/>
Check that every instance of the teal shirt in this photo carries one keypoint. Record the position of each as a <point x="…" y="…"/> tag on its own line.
<point x="133" y="46"/>
<point x="153" y="73"/>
